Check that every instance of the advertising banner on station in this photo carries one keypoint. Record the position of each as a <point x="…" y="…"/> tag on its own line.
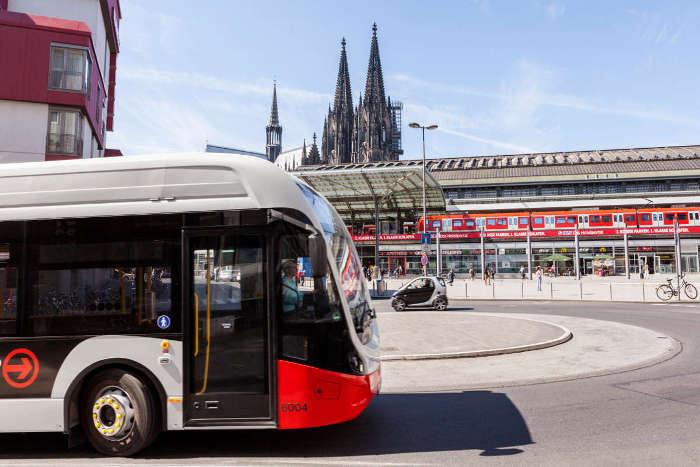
<point x="523" y="234"/>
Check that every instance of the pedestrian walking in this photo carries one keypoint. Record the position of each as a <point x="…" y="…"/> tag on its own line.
<point x="538" y="276"/>
<point x="522" y="272"/>
<point x="487" y="273"/>
<point x="471" y="273"/>
<point x="451" y="277"/>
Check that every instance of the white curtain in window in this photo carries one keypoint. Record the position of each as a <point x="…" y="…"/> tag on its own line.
<point x="65" y="127"/>
<point x="69" y="68"/>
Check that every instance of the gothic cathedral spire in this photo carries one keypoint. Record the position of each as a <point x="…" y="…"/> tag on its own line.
<point x="371" y="131"/>
<point x="273" y="147"/>
<point x="374" y="86"/>
<point x="375" y="136"/>
<point x="336" y="145"/>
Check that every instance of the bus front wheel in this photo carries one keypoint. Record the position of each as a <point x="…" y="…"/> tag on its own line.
<point x="119" y="413"/>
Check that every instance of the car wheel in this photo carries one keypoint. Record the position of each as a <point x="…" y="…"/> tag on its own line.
<point x="399" y="304"/>
<point x="440" y="304"/>
<point x="119" y="413"/>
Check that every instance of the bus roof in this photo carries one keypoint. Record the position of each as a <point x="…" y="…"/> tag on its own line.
<point x="153" y="184"/>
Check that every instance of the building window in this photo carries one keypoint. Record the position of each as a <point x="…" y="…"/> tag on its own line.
<point x="64" y="132"/>
<point x="69" y="69"/>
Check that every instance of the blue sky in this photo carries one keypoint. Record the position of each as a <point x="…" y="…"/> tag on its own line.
<point x="497" y="77"/>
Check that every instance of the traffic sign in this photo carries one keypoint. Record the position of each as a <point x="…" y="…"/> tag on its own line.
<point x="20" y="368"/>
<point x="425" y="238"/>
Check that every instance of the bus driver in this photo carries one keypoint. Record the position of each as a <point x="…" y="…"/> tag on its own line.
<point x="291" y="296"/>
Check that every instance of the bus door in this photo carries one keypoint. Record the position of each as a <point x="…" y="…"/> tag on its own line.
<point x="227" y="332"/>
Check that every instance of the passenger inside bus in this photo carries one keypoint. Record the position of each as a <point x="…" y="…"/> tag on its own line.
<point x="292" y="298"/>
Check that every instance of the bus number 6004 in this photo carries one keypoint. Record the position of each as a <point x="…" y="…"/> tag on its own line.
<point x="294" y="407"/>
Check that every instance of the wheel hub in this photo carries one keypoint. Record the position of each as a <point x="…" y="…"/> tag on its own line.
<point x="113" y="413"/>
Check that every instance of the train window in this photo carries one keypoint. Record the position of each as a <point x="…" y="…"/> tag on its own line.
<point x="645" y="217"/>
<point x="457" y="223"/>
<point x="606" y="218"/>
<point x="491" y="221"/>
<point x="629" y="218"/>
<point x="537" y="220"/>
<point x="595" y="218"/>
<point x="669" y="216"/>
<point x="436" y="223"/>
<point x="502" y="221"/>
<point x="480" y="222"/>
<point x="571" y="220"/>
<point x="580" y="219"/>
<point x="561" y="220"/>
<point x="523" y="221"/>
<point x="470" y="223"/>
<point x="682" y="216"/>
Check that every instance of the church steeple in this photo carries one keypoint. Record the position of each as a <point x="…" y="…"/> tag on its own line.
<point x="369" y="132"/>
<point x="337" y="130"/>
<point x="273" y="147"/>
<point x="374" y="87"/>
<point x="343" y="91"/>
<point x="274" y="114"/>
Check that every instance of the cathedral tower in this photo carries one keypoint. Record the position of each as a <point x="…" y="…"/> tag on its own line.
<point x="374" y="125"/>
<point x="273" y="147"/>
<point x="336" y="145"/>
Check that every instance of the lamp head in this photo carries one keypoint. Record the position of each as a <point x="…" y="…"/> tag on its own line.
<point x="414" y="125"/>
<point x="431" y="127"/>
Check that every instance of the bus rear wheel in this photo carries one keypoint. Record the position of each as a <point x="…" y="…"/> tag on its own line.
<point x="119" y="413"/>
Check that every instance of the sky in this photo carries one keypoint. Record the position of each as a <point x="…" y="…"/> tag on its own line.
<point x="497" y="77"/>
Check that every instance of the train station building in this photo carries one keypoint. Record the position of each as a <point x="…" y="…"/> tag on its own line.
<point x="384" y="215"/>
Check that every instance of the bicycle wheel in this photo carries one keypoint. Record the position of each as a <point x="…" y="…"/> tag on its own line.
<point x="664" y="292"/>
<point x="690" y="291"/>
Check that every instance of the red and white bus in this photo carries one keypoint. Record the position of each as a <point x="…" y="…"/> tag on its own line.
<point x="145" y="294"/>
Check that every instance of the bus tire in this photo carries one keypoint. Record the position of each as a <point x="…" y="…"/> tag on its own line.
<point x="118" y="412"/>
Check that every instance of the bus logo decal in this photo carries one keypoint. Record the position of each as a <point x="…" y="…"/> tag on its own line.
<point x="20" y="368"/>
<point x="163" y="321"/>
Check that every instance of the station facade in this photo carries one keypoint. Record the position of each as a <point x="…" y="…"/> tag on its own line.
<point x="663" y="181"/>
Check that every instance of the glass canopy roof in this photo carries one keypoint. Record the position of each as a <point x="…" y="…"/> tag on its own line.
<point x="355" y="192"/>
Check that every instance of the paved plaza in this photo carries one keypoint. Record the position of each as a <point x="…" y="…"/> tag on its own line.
<point x="616" y="288"/>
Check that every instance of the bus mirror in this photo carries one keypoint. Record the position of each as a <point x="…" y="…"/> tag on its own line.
<point x="317" y="254"/>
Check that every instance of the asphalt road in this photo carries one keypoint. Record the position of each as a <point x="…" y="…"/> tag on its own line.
<point x="643" y="417"/>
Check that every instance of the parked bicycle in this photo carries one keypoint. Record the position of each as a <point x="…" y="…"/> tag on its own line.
<point x="667" y="291"/>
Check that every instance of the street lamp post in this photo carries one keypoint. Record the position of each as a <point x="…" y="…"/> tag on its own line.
<point x="423" y="128"/>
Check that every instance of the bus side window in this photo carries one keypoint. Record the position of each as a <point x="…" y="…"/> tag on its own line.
<point x="8" y="291"/>
<point x="117" y="282"/>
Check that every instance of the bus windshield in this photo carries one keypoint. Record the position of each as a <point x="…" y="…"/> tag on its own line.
<point x="348" y="262"/>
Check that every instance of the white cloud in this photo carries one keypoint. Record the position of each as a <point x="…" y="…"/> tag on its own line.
<point x="491" y="142"/>
<point x="191" y="80"/>
<point x="555" y="10"/>
<point x="533" y="94"/>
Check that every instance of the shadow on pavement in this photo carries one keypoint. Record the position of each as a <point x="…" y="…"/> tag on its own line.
<point x="394" y="423"/>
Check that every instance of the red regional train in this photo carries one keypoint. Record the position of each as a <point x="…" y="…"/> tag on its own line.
<point x="552" y="220"/>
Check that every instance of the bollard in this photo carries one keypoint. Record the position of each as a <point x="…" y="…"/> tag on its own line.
<point x="466" y="290"/>
<point x="610" y="284"/>
<point x="551" y="290"/>
<point x="644" y="298"/>
<point x="493" y="289"/>
<point x="522" y="290"/>
<point x="580" y="290"/>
